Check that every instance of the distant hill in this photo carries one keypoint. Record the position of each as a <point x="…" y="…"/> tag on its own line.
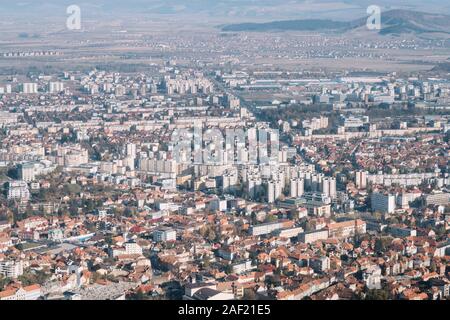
<point x="405" y="21"/>
<point x="442" y="67"/>
<point x="393" y="22"/>
<point x="297" y="25"/>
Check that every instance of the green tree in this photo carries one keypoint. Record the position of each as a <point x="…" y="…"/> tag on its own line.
<point x="34" y="277"/>
<point x="377" y="294"/>
<point x="4" y="282"/>
<point x="271" y="218"/>
<point x="139" y="295"/>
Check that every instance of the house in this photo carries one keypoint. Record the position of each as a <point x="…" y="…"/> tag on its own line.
<point x="32" y="292"/>
<point x="212" y="294"/>
<point x="372" y="277"/>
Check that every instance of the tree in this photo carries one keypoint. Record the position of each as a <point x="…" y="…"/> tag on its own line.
<point x="253" y="217"/>
<point x="441" y="231"/>
<point x="379" y="246"/>
<point x="109" y="239"/>
<point x="271" y="218"/>
<point x="228" y="269"/>
<point x="72" y="188"/>
<point x="128" y="212"/>
<point x="28" y="211"/>
<point x="293" y="215"/>
<point x="377" y="294"/>
<point x="73" y="210"/>
<point x="95" y="277"/>
<point x="139" y="295"/>
<point x="249" y="294"/>
<point x="4" y="282"/>
<point x="206" y="261"/>
<point x="211" y="235"/>
<point x="34" y="277"/>
<point x="308" y="226"/>
<point x="433" y="266"/>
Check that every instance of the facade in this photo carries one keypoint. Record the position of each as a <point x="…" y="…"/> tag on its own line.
<point x="346" y="229"/>
<point x="312" y="236"/>
<point x="32" y="292"/>
<point x="265" y="228"/>
<point x="164" y="235"/>
<point x="132" y="247"/>
<point x="328" y="187"/>
<point x="361" y="179"/>
<point x="29" y="88"/>
<point x="384" y="203"/>
<point x="27" y="172"/>
<point x="441" y="198"/>
<point x="18" y="190"/>
<point x="11" y="269"/>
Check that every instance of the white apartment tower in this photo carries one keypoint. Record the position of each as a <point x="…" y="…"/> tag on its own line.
<point x="328" y="187"/>
<point x="274" y="190"/>
<point x="55" y="87"/>
<point x="383" y="202"/>
<point x="361" y="179"/>
<point x="297" y="187"/>
<point x="29" y="88"/>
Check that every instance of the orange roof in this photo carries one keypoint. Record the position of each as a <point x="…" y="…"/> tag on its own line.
<point x="344" y="224"/>
<point x="7" y="293"/>
<point x="32" y="287"/>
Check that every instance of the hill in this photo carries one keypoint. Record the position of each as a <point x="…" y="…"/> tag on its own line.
<point x="297" y="25"/>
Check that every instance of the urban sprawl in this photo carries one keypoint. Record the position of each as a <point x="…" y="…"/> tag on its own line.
<point x="219" y="174"/>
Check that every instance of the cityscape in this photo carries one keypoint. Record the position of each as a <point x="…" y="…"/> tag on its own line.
<point x="225" y="150"/>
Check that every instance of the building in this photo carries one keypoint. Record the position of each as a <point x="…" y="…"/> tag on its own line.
<point x="18" y="190"/>
<point x="312" y="236"/>
<point x="132" y="247"/>
<point x="205" y="291"/>
<point x="229" y="181"/>
<point x="29" y="88"/>
<point x="254" y="187"/>
<point x="164" y="235"/>
<point x="4" y="225"/>
<point x="346" y="229"/>
<point x="384" y="203"/>
<point x="266" y="228"/>
<point x="158" y="166"/>
<point x="55" y="87"/>
<point x="211" y="294"/>
<point x="72" y="156"/>
<point x="242" y="266"/>
<point x="361" y="179"/>
<point x="372" y="277"/>
<point x="274" y="190"/>
<point x="437" y="199"/>
<point x="11" y="269"/>
<point x="328" y="187"/>
<point x="8" y="118"/>
<point x="27" y="172"/>
<point x="297" y="186"/>
<point x="32" y="292"/>
<point x="320" y="264"/>
<point x="401" y="232"/>
<point x="353" y="122"/>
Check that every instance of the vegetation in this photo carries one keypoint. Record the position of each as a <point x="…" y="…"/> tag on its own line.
<point x="33" y="277"/>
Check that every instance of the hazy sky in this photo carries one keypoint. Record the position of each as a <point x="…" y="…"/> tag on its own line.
<point x="244" y="10"/>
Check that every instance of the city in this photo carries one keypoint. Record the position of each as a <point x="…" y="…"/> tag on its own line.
<point x="214" y="163"/>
